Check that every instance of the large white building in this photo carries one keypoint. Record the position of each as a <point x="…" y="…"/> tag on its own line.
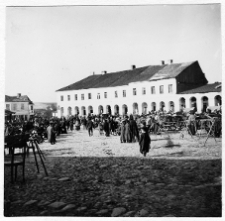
<point x="140" y="90"/>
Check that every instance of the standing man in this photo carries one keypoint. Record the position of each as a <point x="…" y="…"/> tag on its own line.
<point x="51" y="133"/>
<point x="134" y="130"/>
<point x="89" y="126"/>
<point x="106" y="128"/>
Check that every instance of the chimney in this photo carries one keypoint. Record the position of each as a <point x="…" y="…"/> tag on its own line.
<point x="104" y="72"/>
<point x="93" y="73"/>
<point x="18" y="95"/>
<point x="133" y="67"/>
<point x="171" y="61"/>
<point x="163" y="62"/>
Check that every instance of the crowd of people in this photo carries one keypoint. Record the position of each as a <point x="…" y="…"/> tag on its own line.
<point x="130" y="128"/>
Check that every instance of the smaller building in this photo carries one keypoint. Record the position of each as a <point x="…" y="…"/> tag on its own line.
<point x="21" y="105"/>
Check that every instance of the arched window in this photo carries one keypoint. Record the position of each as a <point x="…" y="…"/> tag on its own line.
<point x="205" y="103"/>
<point x="135" y="108"/>
<point x="182" y="103"/>
<point x="144" y="108"/>
<point x="124" y="109"/>
<point x="218" y="100"/>
<point x="116" y="109"/>
<point x="153" y="106"/>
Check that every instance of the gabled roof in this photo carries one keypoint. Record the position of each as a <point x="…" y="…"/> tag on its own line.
<point x="23" y="98"/>
<point x="204" y="89"/>
<point x="171" y="71"/>
<point x="147" y="73"/>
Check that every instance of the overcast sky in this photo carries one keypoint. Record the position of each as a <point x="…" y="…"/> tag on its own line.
<point x="48" y="48"/>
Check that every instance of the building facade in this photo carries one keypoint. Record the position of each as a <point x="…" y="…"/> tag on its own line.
<point x="140" y="90"/>
<point x="21" y="105"/>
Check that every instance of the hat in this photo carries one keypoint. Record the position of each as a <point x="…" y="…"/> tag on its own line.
<point x="51" y="122"/>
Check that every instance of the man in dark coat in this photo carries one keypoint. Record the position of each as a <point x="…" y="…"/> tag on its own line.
<point x="89" y="126"/>
<point x="106" y="128"/>
<point x="134" y="130"/>
<point x="144" y="140"/>
<point x="127" y="132"/>
<point x="122" y="132"/>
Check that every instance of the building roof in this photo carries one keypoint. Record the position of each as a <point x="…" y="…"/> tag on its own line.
<point x="23" y="98"/>
<point x="215" y="87"/>
<point x="147" y="73"/>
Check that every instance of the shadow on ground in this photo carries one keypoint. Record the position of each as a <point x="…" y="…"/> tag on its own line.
<point x="162" y="187"/>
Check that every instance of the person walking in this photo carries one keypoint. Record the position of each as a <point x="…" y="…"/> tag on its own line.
<point x="145" y="140"/>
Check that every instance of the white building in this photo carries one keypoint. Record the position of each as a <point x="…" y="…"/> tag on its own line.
<point x="140" y="90"/>
<point x="21" y="105"/>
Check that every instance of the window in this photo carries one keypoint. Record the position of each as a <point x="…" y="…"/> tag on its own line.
<point x="68" y="96"/>
<point x="134" y="91"/>
<point x="7" y="106"/>
<point x="31" y="107"/>
<point x="116" y="95"/>
<point x="105" y="95"/>
<point x="22" y="106"/>
<point x="143" y="90"/>
<point x="89" y="95"/>
<point x="153" y="90"/>
<point x="170" y="88"/>
<point x="124" y="93"/>
<point x="98" y="96"/>
<point x="75" y="97"/>
<point x="61" y="98"/>
<point x="161" y="89"/>
<point x="14" y="106"/>
<point x="82" y="96"/>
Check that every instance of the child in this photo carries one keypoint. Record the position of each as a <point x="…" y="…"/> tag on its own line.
<point x="145" y="140"/>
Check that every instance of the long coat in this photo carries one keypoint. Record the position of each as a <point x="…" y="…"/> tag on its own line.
<point x="122" y="133"/>
<point x="128" y="135"/>
<point x="106" y="128"/>
<point x="50" y="134"/>
<point x="144" y="143"/>
<point x="134" y="130"/>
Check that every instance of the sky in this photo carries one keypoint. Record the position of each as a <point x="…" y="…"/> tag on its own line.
<point x="48" y="48"/>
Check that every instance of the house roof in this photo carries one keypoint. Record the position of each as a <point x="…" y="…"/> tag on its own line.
<point x="23" y="98"/>
<point x="147" y="73"/>
<point x="215" y="87"/>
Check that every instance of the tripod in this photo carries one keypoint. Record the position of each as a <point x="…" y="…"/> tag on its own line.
<point x="34" y="145"/>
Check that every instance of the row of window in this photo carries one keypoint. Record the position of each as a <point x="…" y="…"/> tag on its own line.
<point x="14" y="106"/>
<point x="161" y="91"/>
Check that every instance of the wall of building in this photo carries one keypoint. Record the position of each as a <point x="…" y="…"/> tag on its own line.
<point x="111" y="100"/>
<point x="27" y="110"/>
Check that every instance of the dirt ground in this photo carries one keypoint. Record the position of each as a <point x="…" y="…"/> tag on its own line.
<point x="99" y="177"/>
<point x="78" y="143"/>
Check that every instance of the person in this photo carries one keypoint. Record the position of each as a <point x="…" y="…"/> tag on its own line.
<point x="100" y="126"/>
<point x="128" y="135"/>
<point x="134" y="130"/>
<point x="77" y="123"/>
<point x="191" y="123"/>
<point x="145" y="140"/>
<point x="50" y="133"/>
<point x="71" y="124"/>
<point x="122" y="132"/>
<point x="89" y="126"/>
<point x="106" y="128"/>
